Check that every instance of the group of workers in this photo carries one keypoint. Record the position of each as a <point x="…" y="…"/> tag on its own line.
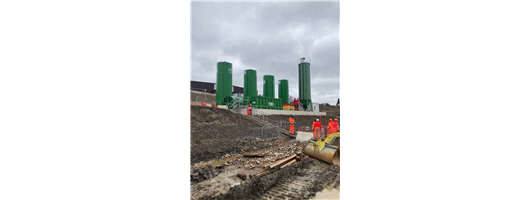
<point x="332" y="126"/>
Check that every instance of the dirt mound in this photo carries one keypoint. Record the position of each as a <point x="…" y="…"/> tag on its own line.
<point x="203" y="173"/>
<point x="216" y="132"/>
<point x="331" y="111"/>
<point x="201" y="115"/>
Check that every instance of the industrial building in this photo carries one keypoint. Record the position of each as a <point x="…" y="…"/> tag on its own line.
<point x="211" y="88"/>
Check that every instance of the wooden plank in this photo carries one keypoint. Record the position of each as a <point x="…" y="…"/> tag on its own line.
<point x="288" y="164"/>
<point x="263" y="173"/>
<point x="258" y="174"/>
<point x="282" y="161"/>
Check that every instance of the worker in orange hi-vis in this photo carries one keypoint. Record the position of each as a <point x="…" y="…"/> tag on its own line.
<point x="336" y="125"/>
<point x="330" y="126"/>
<point x="317" y="127"/>
<point x="291" y="125"/>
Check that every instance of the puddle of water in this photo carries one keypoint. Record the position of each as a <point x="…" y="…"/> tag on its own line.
<point x="330" y="187"/>
<point x="328" y="193"/>
<point x="219" y="177"/>
<point x="216" y="163"/>
<point x="223" y="190"/>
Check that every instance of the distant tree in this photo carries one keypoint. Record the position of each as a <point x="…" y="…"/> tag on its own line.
<point x="326" y="104"/>
<point x="338" y="101"/>
<point x="291" y="99"/>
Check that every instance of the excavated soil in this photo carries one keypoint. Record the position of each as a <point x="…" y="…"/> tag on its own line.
<point x="219" y="138"/>
<point x="216" y="132"/>
<point x="323" y="108"/>
<point x="299" y="181"/>
<point x="203" y="173"/>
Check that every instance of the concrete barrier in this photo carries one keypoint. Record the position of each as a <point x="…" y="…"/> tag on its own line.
<point x="303" y="136"/>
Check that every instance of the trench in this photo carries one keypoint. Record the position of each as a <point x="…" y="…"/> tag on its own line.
<point x="307" y="179"/>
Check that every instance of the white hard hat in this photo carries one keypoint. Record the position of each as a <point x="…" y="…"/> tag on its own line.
<point x="317" y="120"/>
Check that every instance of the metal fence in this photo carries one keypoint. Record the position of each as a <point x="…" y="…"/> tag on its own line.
<point x="203" y="99"/>
<point x="266" y="133"/>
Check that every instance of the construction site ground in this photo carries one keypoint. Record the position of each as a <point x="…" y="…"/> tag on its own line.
<point x="219" y="169"/>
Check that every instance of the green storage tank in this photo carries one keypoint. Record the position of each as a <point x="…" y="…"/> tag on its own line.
<point x="304" y="83"/>
<point x="268" y="86"/>
<point x="250" y="84"/>
<point x="224" y="82"/>
<point x="283" y="91"/>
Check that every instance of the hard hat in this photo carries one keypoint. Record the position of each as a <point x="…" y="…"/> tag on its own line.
<point x="336" y="119"/>
<point x="291" y="115"/>
<point x="330" y="119"/>
<point x="317" y="120"/>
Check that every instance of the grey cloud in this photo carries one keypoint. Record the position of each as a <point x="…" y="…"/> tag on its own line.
<point x="269" y="37"/>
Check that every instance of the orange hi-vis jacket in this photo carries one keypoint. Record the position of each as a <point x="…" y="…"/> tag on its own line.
<point x="336" y="127"/>
<point x="291" y="121"/>
<point x="313" y="127"/>
<point x="317" y="125"/>
<point x="330" y="126"/>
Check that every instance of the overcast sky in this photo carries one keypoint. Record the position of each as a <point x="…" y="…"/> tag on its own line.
<point x="268" y="37"/>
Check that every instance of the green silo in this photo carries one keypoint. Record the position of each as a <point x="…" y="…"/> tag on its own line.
<point x="250" y="84"/>
<point x="268" y="86"/>
<point x="304" y="83"/>
<point x="283" y="91"/>
<point x="224" y="82"/>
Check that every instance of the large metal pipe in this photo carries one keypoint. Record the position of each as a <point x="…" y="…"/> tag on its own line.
<point x="335" y="141"/>
<point x="329" y="154"/>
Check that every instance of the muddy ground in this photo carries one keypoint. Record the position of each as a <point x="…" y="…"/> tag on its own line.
<point x="216" y="132"/>
<point x="301" y="180"/>
<point x="219" y="138"/>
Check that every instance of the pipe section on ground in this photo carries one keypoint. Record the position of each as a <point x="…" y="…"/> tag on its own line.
<point x="329" y="154"/>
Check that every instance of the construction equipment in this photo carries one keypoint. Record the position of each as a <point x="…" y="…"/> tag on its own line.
<point x="327" y="150"/>
<point x="296" y="104"/>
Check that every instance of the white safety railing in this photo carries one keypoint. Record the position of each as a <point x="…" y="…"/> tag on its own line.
<point x="206" y="100"/>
